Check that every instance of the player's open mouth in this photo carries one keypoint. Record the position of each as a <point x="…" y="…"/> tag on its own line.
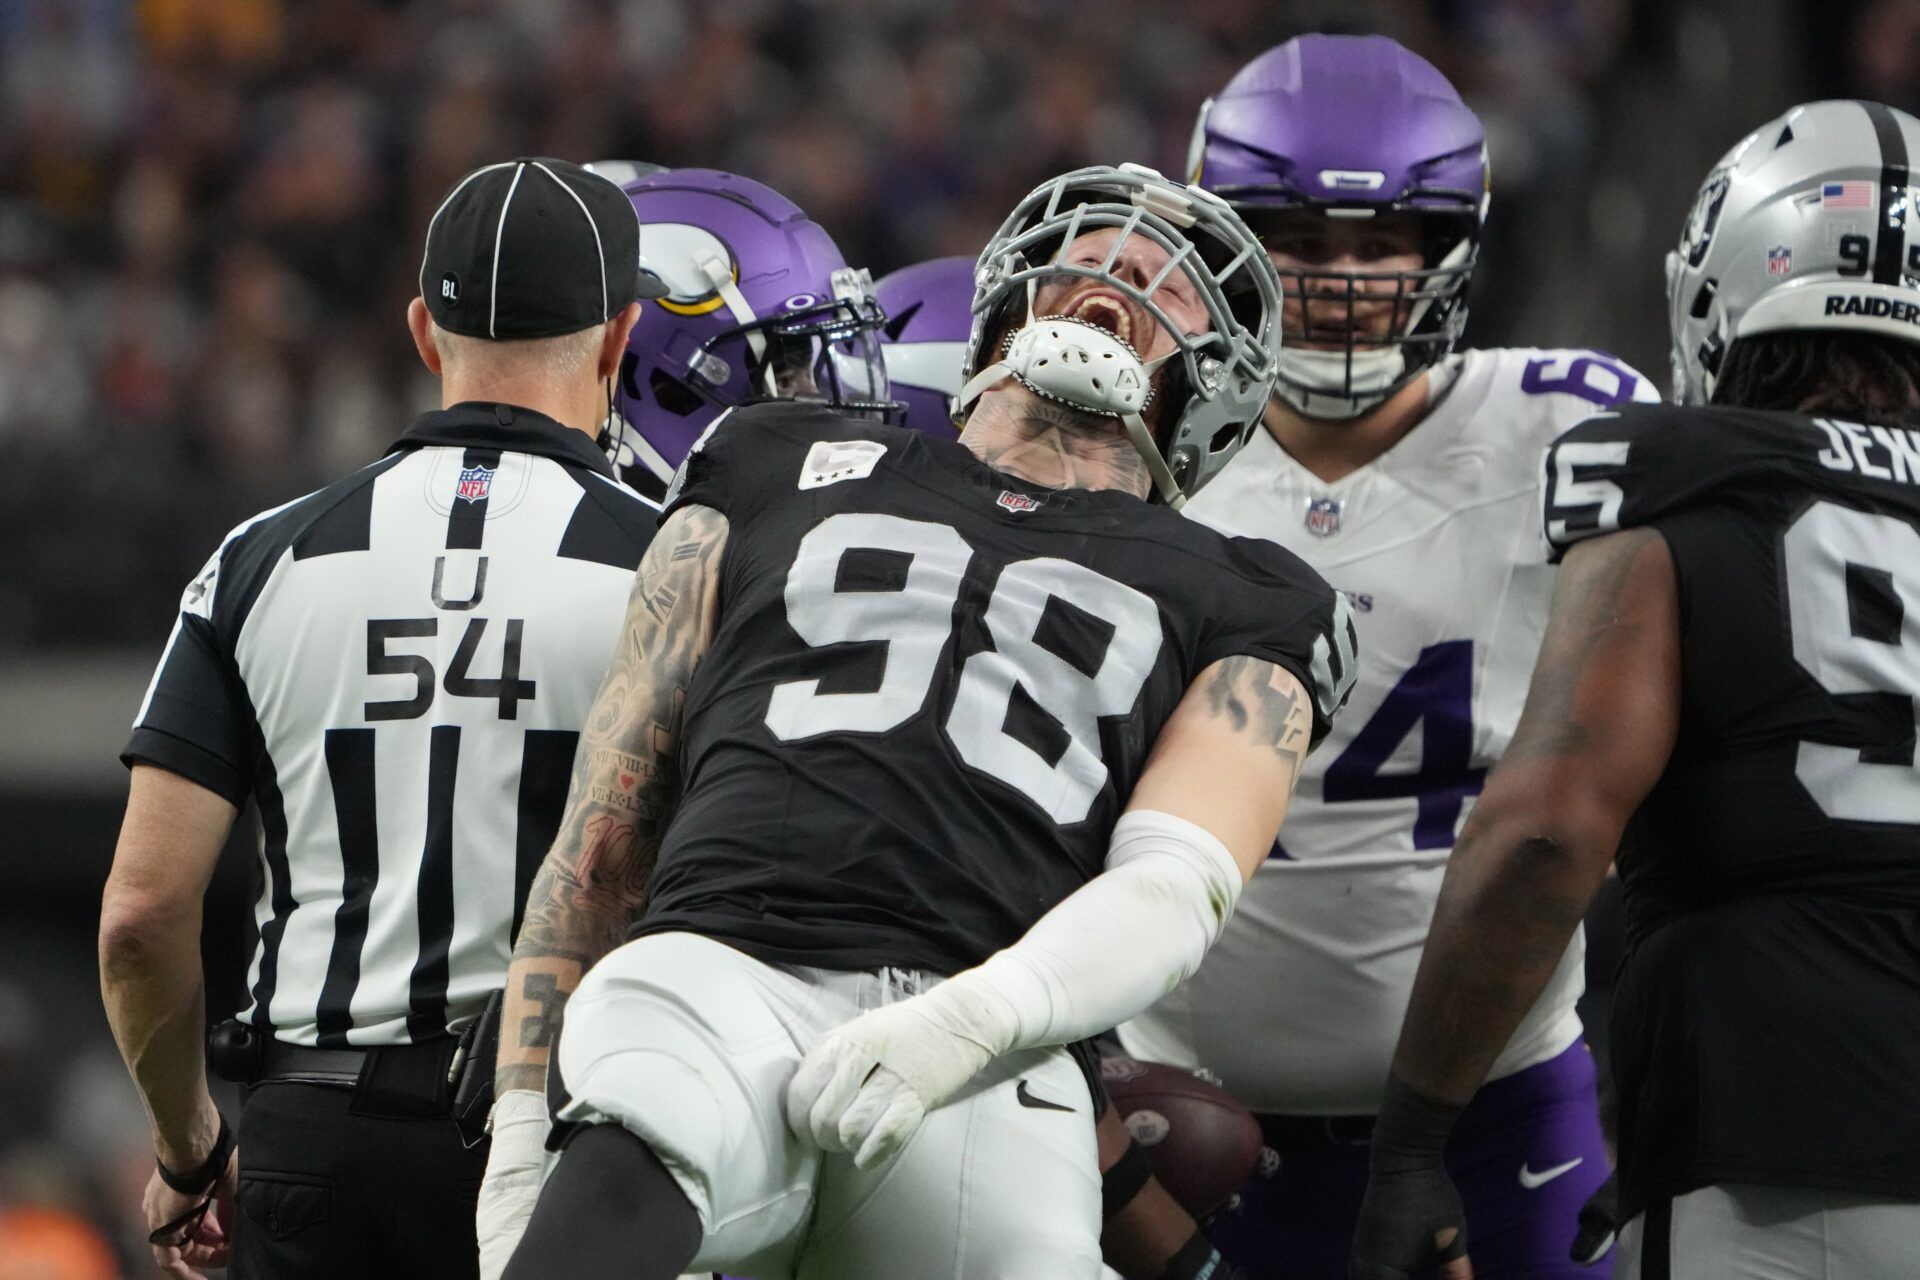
<point x="1104" y="311"/>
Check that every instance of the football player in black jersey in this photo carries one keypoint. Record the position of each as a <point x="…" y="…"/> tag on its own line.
<point x="921" y="760"/>
<point x="1726" y="694"/>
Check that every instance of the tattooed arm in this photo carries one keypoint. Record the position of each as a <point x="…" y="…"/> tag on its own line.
<point x="626" y="785"/>
<point x="1229" y="755"/>
<point x="1597" y="730"/>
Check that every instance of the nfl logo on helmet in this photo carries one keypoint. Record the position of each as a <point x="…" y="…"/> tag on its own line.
<point x="1323" y="517"/>
<point x="475" y="484"/>
<point x="1780" y="261"/>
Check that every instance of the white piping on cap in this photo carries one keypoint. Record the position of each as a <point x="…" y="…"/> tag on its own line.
<point x="493" y="292"/>
<point x="442" y="209"/>
<point x="599" y="249"/>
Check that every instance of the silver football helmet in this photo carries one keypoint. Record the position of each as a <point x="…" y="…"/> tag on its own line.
<point x="1805" y="224"/>
<point x="1225" y="375"/>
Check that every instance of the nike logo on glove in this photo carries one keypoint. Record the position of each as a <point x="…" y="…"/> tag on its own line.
<point x="1041" y="1104"/>
<point x="1534" y="1181"/>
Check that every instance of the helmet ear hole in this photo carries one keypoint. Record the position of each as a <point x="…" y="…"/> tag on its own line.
<point x="1703" y="300"/>
<point x="1711" y="352"/>
<point x="673" y="395"/>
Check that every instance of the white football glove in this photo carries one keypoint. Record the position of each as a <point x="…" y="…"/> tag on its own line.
<point x="516" y="1167"/>
<point x="866" y="1086"/>
<point x="1101" y="955"/>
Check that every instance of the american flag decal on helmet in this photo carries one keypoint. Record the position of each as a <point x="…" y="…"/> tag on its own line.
<point x="1846" y="195"/>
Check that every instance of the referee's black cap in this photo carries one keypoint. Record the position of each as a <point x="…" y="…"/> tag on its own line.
<point x="532" y="248"/>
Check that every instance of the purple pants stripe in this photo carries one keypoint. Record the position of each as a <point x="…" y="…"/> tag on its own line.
<point x="1542" y="1124"/>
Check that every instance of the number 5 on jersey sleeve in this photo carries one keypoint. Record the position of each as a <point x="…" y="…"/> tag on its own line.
<point x="1581" y="504"/>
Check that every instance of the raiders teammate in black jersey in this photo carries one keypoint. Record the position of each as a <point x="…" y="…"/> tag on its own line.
<point x="923" y="760"/>
<point x="1727" y="693"/>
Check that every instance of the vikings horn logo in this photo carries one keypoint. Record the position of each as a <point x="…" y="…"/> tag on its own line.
<point x="673" y="251"/>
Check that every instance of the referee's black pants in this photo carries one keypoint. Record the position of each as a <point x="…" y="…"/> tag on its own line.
<point x="331" y="1192"/>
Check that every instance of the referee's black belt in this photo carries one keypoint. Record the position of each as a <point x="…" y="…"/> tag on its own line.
<point x="238" y="1052"/>
<point x="304" y="1064"/>
<point x="449" y="1075"/>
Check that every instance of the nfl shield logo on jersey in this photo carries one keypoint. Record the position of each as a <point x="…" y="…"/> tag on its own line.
<point x="475" y="484"/>
<point x="1017" y="502"/>
<point x="1323" y="517"/>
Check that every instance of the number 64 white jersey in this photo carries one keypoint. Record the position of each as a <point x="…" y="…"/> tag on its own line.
<point x="1438" y="546"/>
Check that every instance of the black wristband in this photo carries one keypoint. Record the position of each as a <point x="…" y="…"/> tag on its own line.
<point x="1197" y="1259"/>
<point x="1412" y="1128"/>
<point x="1121" y="1183"/>
<point x="196" y="1181"/>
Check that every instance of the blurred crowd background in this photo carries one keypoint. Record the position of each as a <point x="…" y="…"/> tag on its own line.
<point x="210" y="218"/>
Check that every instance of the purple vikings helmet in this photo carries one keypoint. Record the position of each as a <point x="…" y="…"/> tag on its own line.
<point x="929" y="308"/>
<point x="1353" y="127"/>
<point x="760" y="303"/>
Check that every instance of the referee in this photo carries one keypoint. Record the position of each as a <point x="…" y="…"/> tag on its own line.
<point x="395" y="670"/>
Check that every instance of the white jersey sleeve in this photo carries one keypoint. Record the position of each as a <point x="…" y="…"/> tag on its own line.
<point x="1437" y="546"/>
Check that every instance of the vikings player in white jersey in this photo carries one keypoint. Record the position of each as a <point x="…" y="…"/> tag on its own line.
<point x="1409" y="475"/>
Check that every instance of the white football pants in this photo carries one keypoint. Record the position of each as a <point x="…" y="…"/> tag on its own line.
<point x="1737" y="1231"/>
<point x="690" y="1045"/>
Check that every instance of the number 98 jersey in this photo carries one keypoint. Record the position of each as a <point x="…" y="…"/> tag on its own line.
<point x="1766" y="1026"/>
<point x="932" y="686"/>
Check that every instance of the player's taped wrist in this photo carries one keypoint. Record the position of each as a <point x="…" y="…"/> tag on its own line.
<point x="1411" y="1130"/>
<point x="1109" y="949"/>
<point x="1410" y="1216"/>
<point x="516" y="1166"/>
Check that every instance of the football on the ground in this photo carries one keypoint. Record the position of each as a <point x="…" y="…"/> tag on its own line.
<point x="1202" y="1143"/>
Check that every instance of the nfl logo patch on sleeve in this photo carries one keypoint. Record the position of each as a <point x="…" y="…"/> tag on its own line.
<point x="1018" y="503"/>
<point x="831" y="461"/>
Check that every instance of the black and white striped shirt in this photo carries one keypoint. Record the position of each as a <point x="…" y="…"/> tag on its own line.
<point x="397" y="668"/>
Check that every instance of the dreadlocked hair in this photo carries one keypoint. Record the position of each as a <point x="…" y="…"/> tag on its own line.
<point x="1863" y="377"/>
